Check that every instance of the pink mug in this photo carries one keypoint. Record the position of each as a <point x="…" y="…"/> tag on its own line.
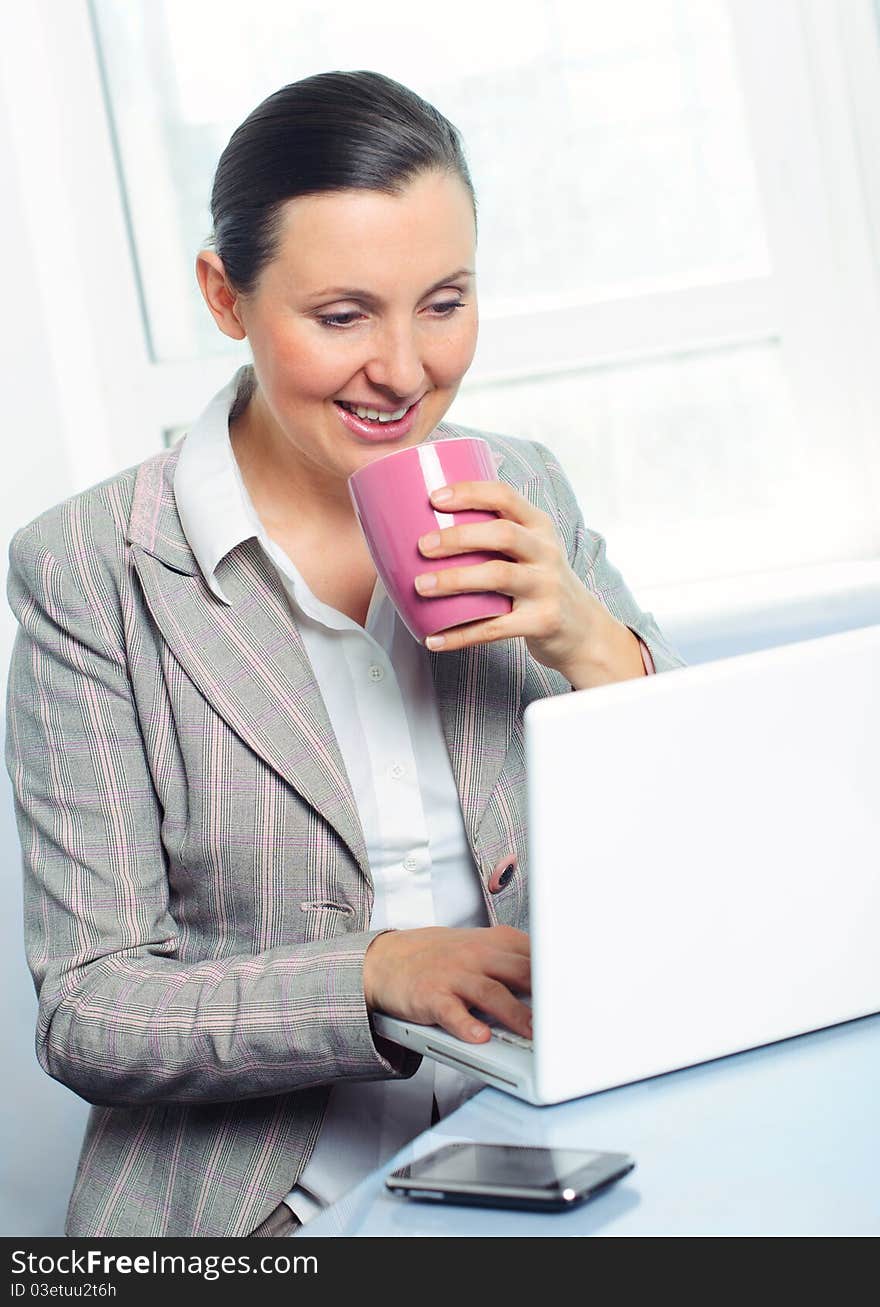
<point x="391" y="500"/>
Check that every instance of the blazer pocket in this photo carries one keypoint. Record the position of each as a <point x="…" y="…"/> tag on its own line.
<point x="324" y="919"/>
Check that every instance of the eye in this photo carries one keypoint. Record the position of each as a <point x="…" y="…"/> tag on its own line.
<point x="345" y="319"/>
<point x="449" y="309"/>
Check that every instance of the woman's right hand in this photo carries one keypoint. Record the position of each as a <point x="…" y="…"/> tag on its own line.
<point x="433" y="974"/>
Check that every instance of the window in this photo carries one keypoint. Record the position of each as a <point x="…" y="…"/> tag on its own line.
<point x="677" y="270"/>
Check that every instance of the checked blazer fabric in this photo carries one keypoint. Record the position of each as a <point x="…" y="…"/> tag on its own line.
<point x="197" y="893"/>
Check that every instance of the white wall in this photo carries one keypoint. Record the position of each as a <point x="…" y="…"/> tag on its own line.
<point x="41" y="1122"/>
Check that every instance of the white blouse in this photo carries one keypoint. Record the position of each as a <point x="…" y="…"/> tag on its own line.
<point x="380" y="699"/>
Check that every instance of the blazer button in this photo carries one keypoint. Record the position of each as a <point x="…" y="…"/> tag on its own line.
<point x="502" y="874"/>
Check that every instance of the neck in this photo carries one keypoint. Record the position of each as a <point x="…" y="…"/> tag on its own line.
<point x="284" y="489"/>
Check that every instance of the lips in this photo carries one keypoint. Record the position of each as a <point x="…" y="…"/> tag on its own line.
<point x="371" y="404"/>
<point x="373" y="430"/>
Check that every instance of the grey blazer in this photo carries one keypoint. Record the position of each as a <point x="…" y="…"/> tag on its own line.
<point x="197" y="894"/>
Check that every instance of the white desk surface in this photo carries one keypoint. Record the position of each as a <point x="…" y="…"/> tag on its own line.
<point x="780" y="1140"/>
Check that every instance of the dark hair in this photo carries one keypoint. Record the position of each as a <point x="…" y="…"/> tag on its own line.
<point x="330" y="132"/>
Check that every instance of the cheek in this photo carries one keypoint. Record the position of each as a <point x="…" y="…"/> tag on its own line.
<point x="466" y="348"/>
<point x="299" y="367"/>
<point x="454" y="355"/>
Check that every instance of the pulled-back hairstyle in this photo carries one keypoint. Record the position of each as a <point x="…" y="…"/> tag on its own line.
<point x="330" y="132"/>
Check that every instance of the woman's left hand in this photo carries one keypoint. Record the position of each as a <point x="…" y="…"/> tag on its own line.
<point x="552" y="608"/>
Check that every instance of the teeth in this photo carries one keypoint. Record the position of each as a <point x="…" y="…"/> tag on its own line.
<point x="375" y="414"/>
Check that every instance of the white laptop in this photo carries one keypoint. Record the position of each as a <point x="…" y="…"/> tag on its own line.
<point x="704" y="868"/>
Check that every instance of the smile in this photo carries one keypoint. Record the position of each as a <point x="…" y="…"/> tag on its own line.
<point x="368" y="424"/>
<point x="374" y="414"/>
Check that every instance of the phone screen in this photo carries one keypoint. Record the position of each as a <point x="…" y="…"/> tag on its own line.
<point x="509" y="1165"/>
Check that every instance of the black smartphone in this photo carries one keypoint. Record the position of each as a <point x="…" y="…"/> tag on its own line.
<point x="509" y="1175"/>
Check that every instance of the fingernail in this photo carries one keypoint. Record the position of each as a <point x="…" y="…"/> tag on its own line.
<point x="476" y="1031"/>
<point x="441" y="496"/>
<point x="435" y="641"/>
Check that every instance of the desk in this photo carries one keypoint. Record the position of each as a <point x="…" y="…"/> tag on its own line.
<point x="780" y="1140"/>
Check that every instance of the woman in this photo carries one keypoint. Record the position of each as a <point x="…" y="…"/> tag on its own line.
<point x="252" y="808"/>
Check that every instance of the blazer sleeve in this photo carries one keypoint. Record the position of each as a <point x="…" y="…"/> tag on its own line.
<point x="121" y="1019"/>
<point x="586" y="554"/>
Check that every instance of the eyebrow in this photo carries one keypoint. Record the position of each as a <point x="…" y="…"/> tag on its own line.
<point x="352" y="292"/>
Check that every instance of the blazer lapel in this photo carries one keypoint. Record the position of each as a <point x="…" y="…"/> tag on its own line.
<point x="248" y="660"/>
<point x="478" y="696"/>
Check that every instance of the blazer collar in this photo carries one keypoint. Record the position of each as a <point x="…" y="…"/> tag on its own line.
<point x="248" y="660"/>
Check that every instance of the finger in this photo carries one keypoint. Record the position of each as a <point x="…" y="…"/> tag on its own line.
<point x="496" y="1000"/>
<point x="496" y="574"/>
<point x="471" y="633"/>
<point x="500" y="535"/>
<point x="513" y="969"/>
<point x="497" y="495"/>
<point x="452" y="1014"/>
<point x="512" y="938"/>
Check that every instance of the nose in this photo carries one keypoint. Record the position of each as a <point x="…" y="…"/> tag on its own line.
<point x="397" y="364"/>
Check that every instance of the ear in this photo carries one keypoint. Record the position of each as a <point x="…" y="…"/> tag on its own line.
<point x="219" y="297"/>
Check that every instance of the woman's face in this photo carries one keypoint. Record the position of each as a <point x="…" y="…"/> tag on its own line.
<point x="356" y="306"/>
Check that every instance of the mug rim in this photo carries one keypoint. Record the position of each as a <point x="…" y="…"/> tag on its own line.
<point x="394" y="453"/>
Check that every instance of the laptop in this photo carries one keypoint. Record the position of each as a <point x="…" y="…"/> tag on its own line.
<point x="704" y="869"/>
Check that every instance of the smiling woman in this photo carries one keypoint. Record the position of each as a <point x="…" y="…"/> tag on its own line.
<point x="340" y="333"/>
<point x="402" y="344"/>
<point x="281" y="813"/>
